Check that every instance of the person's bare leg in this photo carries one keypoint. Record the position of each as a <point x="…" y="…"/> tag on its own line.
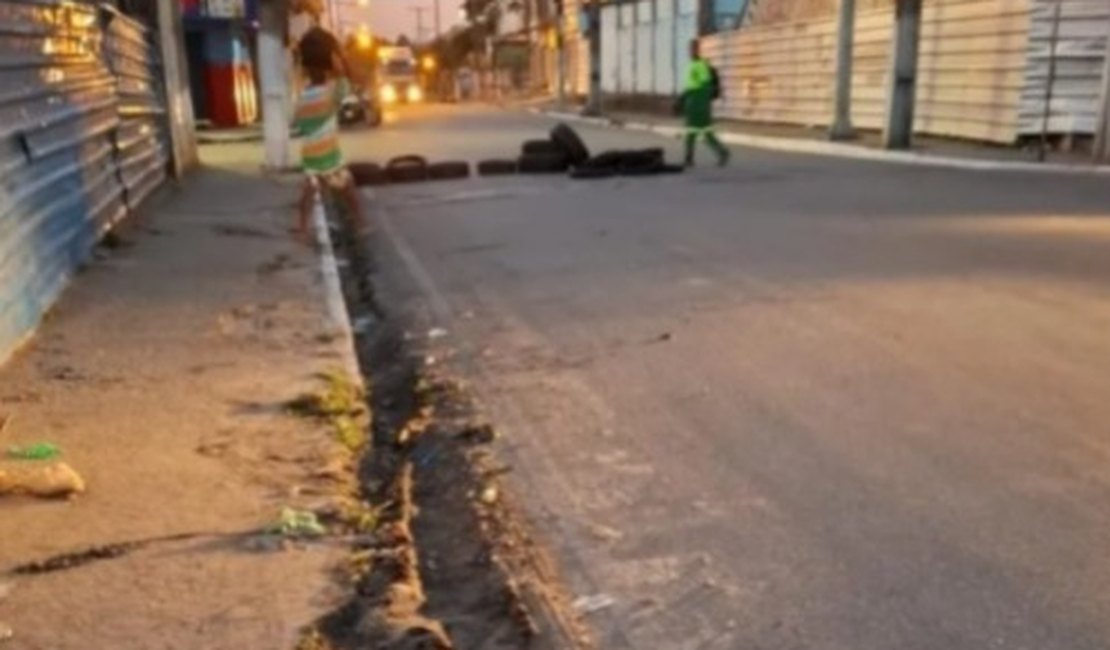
<point x="354" y="207"/>
<point x="308" y="197"/>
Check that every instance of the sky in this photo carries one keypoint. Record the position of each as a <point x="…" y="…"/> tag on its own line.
<point x="391" y="18"/>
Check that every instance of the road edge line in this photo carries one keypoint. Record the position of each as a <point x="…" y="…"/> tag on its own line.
<point x="840" y="150"/>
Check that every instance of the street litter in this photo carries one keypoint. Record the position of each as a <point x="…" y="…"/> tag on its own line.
<point x="297" y="523"/>
<point x="595" y="603"/>
<point x="36" y="451"/>
<point x="52" y="480"/>
<point x="436" y="333"/>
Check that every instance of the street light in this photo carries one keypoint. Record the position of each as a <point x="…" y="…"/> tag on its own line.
<point x="429" y="62"/>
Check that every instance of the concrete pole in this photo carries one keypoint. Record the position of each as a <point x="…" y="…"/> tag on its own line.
<point x="593" y="102"/>
<point x="707" y="20"/>
<point x="841" y="128"/>
<point x="272" y="61"/>
<point x="1102" y="127"/>
<point x="561" y="54"/>
<point x="175" y="71"/>
<point x="898" y="133"/>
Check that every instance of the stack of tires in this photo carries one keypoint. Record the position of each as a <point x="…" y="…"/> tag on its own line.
<point x="565" y="151"/>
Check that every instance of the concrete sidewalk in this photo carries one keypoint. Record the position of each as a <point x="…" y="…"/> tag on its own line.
<point x="163" y="375"/>
<point x="928" y="151"/>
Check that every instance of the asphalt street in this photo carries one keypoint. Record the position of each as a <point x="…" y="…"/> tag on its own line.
<point x="800" y="403"/>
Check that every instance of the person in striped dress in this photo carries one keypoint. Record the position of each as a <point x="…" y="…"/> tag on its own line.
<point x="317" y="120"/>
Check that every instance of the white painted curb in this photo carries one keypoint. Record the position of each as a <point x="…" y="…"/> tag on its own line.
<point x="840" y="150"/>
<point x="338" y="318"/>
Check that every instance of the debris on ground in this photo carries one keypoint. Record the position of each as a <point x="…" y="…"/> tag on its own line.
<point x="50" y="480"/>
<point x="436" y="333"/>
<point x="6" y="632"/>
<point x="489" y="495"/>
<point x="595" y="603"/>
<point x="478" y="434"/>
<point x="36" y="451"/>
<point x="339" y="396"/>
<point x="297" y="523"/>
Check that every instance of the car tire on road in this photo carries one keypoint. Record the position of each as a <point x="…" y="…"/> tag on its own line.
<point x="540" y="147"/>
<point x="541" y="163"/>
<point x="497" y="167"/>
<point x="407" y="169"/>
<point x="367" y="174"/>
<point x="570" y="142"/>
<point x="451" y="170"/>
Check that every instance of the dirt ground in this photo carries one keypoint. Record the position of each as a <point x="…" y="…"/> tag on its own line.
<point x="162" y="376"/>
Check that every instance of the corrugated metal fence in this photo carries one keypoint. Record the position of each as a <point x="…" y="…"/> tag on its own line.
<point x="644" y="45"/>
<point x="1081" y="30"/>
<point x="971" y="69"/>
<point x="81" y="142"/>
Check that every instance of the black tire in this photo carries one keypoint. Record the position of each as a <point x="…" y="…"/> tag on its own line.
<point x="667" y="168"/>
<point x="407" y="169"/>
<point x="592" y="173"/>
<point x="569" y="140"/>
<point x="540" y="147"/>
<point x="538" y="163"/>
<point x="605" y="160"/>
<point x="451" y="170"/>
<point x="497" y="167"/>
<point x="644" y="157"/>
<point x="643" y="162"/>
<point x="367" y="174"/>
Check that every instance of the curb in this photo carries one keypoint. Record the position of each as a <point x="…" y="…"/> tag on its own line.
<point x="839" y="150"/>
<point x="338" y="318"/>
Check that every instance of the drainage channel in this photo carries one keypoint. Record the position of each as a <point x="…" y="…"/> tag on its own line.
<point x="452" y="564"/>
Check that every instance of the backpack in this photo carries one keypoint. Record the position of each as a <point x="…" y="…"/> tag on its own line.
<point x="714" y="82"/>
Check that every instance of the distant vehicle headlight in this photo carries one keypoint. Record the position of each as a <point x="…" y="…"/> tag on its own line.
<point x="389" y="94"/>
<point x="414" y="94"/>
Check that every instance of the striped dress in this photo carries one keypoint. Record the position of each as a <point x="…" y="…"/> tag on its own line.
<point x="317" y="119"/>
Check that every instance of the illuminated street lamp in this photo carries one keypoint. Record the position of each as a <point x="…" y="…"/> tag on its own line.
<point x="429" y="63"/>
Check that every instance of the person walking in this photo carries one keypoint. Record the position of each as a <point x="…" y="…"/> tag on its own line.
<point x="697" y="106"/>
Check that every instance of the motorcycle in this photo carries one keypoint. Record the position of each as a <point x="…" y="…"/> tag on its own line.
<point x="359" y="107"/>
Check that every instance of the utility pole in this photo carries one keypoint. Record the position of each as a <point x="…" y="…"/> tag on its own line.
<point x="176" y="76"/>
<point x="272" y="77"/>
<point x="707" y="21"/>
<point x="841" y="128"/>
<point x="1102" y="127"/>
<point x="435" y="22"/>
<point x="898" y="133"/>
<point x="561" y="53"/>
<point x="419" y="12"/>
<point x="593" y="102"/>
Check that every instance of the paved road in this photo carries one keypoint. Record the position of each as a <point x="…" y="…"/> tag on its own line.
<point x="800" y="403"/>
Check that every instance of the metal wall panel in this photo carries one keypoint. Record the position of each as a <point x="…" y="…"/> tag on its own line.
<point x="1079" y="54"/>
<point x="61" y="172"/>
<point x="626" y="49"/>
<point x="972" y="58"/>
<point x="610" y="49"/>
<point x="645" y="53"/>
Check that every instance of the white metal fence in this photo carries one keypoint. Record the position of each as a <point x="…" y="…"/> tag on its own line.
<point x="1076" y="61"/>
<point x="971" y="69"/>
<point x="644" y="46"/>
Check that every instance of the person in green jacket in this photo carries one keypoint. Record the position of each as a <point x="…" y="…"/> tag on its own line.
<point x="697" y="107"/>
